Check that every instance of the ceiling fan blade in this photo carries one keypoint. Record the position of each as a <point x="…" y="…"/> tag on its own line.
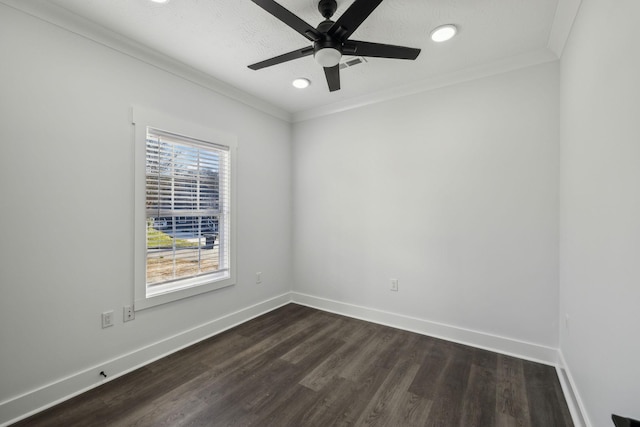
<point x="289" y="18"/>
<point x="333" y="77"/>
<point x="299" y="53"/>
<point x="379" y="50"/>
<point x="352" y="18"/>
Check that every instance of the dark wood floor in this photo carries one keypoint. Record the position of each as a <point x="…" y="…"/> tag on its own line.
<point x="297" y="366"/>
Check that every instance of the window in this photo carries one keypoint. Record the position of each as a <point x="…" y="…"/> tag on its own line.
<point x="184" y="229"/>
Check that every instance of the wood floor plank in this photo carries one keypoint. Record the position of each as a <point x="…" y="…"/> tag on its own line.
<point x="145" y="393"/>
<point x="449" y="392"/>
<point x="245" y="373"/>
<point x="541" y="382"/>
<point x="393" y="404"/>
<point x="341" y="401"/>
<point x="297" y="366"/>
<point x="228" y="403"/>
<point x="401" y="347"/>
<point x="479" y="400"/>
<point x="485" y="359"/>
<point x="512" y="405"/>
<point x="289" y="401"/>
<point x="281" y="390"/>
<point x="327" y="370"/>
<point x="315" y="343"/>
<point x="431" y="369"/>
<point x="210" y="352"/>
<point x="170" y="409"/>
<point x="259" y="381"/>
<point x="355" y="397"/>
<point x="390" y="395"/>
<point x="265" y="345"/>
<point x="413" y="411"/>
<point x="312" y="408"/>
<point x="85" y="408"/>
<point x="265" y="325"/>
<point x="292" y="412"/>
<point x="364" y="358"/>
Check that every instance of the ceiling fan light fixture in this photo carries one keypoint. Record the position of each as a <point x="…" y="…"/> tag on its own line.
<point x="328" y="57"/>
<point x="443" y="33"/>
<point x="301" y="83"/>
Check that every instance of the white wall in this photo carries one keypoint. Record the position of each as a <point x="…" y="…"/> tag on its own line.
<point x="453" y="192"/>
<point x="600" y="209"/>
<point x="66" y="185"/>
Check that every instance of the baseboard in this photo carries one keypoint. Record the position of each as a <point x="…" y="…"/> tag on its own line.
<point x="498" y="344"/>
<point x="34" y="401"/>
<point x="571" y="395"/>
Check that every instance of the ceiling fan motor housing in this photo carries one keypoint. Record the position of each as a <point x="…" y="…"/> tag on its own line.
<point x="327" y="43"/>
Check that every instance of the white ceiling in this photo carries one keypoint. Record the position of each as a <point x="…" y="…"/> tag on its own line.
<point x="221" y="37"/>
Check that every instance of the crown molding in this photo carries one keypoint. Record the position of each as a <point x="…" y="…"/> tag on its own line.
<point x="468" y="74"/>
<point x="566" y="12"/>
<point x="82" y="27"/>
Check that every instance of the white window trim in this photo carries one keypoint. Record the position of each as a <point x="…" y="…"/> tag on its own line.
<point x="141" y="119"/>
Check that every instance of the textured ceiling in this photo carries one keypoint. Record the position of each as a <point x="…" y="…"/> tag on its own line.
<point x="222" y="37"/>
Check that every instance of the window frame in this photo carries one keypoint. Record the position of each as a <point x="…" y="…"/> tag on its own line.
<point x="143" y="118"/>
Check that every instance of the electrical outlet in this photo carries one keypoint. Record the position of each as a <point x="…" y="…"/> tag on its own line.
<point x="128" y="313"/>
<point x="394" y="285"/>
<point x="107" y="319"/>
<point x="258" y="277"/>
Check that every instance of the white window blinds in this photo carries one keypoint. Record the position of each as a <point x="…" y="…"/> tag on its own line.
<point x="187" y="208"/>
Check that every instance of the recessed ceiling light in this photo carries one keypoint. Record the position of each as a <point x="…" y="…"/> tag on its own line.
<point x="444" y="33"/>
<point x="301" y="83"/>
<point x="160" y="1"/>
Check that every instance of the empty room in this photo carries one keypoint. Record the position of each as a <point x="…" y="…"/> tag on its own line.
<point x="318" y="212"/>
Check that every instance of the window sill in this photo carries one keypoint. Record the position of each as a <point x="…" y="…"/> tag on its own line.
<point x="165" y="293"/>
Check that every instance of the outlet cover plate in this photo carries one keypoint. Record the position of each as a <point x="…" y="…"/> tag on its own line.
<point x="107" y="319"/>
<point x="128" y="313"/>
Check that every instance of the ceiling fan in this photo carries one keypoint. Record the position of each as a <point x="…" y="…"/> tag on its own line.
<point x="331" y="39"/>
